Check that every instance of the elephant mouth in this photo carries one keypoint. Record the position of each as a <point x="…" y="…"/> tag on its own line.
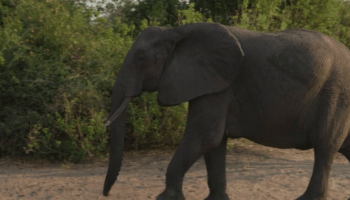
<point x="118" y="112"/>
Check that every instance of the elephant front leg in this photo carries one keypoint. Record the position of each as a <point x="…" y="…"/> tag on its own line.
<point x="204" y="131"/>
<point x="215" y="161"/>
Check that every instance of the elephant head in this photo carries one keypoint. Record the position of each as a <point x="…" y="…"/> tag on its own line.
<point x="181" y="64"/>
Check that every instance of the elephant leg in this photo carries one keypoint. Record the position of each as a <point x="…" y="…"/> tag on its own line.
<point x="345" y="149"/>
<point x="204" y="131"/>
<point x="329" y="133"/>
<point x="318" y="185"/>
<point x="346" y="152"/>
<point x="215" y="161"/>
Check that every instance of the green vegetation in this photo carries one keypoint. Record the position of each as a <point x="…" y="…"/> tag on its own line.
<point x="327" y="16"/>
<point x="59" y="60"/>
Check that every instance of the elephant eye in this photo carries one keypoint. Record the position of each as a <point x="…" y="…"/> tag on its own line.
<point x="140" y="57"/>
<point x="139" y="54"/>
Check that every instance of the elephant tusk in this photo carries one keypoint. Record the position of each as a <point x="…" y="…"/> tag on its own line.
<point x="119" y="111"/>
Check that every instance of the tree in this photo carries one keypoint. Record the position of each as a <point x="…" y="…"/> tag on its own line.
<point x="219" y="11"/>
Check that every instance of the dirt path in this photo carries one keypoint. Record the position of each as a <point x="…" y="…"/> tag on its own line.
<point x="253" y="172"/>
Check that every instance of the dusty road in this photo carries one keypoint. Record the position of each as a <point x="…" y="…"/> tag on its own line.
<point x="253" y="172"/>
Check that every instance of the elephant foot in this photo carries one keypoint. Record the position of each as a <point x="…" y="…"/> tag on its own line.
<point x="307" y="196"/>
<point x="217" y="196"/>
<point x="170" y="194"/>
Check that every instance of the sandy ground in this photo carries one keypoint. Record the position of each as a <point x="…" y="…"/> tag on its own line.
<point x="253" y="172"/>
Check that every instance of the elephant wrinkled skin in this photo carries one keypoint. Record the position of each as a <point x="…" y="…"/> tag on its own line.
<point x="288" y="89"/>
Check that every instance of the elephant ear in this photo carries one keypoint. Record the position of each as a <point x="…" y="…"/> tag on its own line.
<point x="205" y="60"/>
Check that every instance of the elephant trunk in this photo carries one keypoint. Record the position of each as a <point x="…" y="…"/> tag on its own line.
<point x="117" y="133"/>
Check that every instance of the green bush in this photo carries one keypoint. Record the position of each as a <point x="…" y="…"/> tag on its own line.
<point x="149" y="125"/>
<point x="327" y="16"/>
<point x="58" y="65"/>
<point x="55" y="80"/>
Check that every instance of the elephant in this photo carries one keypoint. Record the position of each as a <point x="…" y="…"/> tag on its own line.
<point x="285" y="89"/>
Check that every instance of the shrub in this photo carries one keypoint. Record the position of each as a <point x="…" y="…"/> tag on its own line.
<point x="56" y="76"/>
<point x="58" y="63"/>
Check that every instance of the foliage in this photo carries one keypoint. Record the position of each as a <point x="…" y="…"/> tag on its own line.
<point x="219" y="11"/>
<point x="277" y="15"/>
<point x="141" y="14"/>
<point x="150" y="125"/>
<point x="59" y="62"/>
<point x="328" y="16"/>
<point x="189" y="15"/>
<point x="57" y="71"/>
<point x="55" y="79"/>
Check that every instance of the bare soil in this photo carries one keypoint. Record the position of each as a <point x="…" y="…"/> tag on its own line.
<point x="253" y="172"/>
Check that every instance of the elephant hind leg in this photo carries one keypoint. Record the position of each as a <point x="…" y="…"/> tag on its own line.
<point x="329" y="133"/>
<point x="346" y="152"/>
<point x="345" y="148"/>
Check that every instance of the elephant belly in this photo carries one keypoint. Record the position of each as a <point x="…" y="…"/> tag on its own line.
<point x="282" y="140"/>
<point x="275" y="125"/>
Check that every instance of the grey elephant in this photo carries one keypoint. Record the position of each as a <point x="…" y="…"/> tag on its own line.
<point x="288" y="89"/>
